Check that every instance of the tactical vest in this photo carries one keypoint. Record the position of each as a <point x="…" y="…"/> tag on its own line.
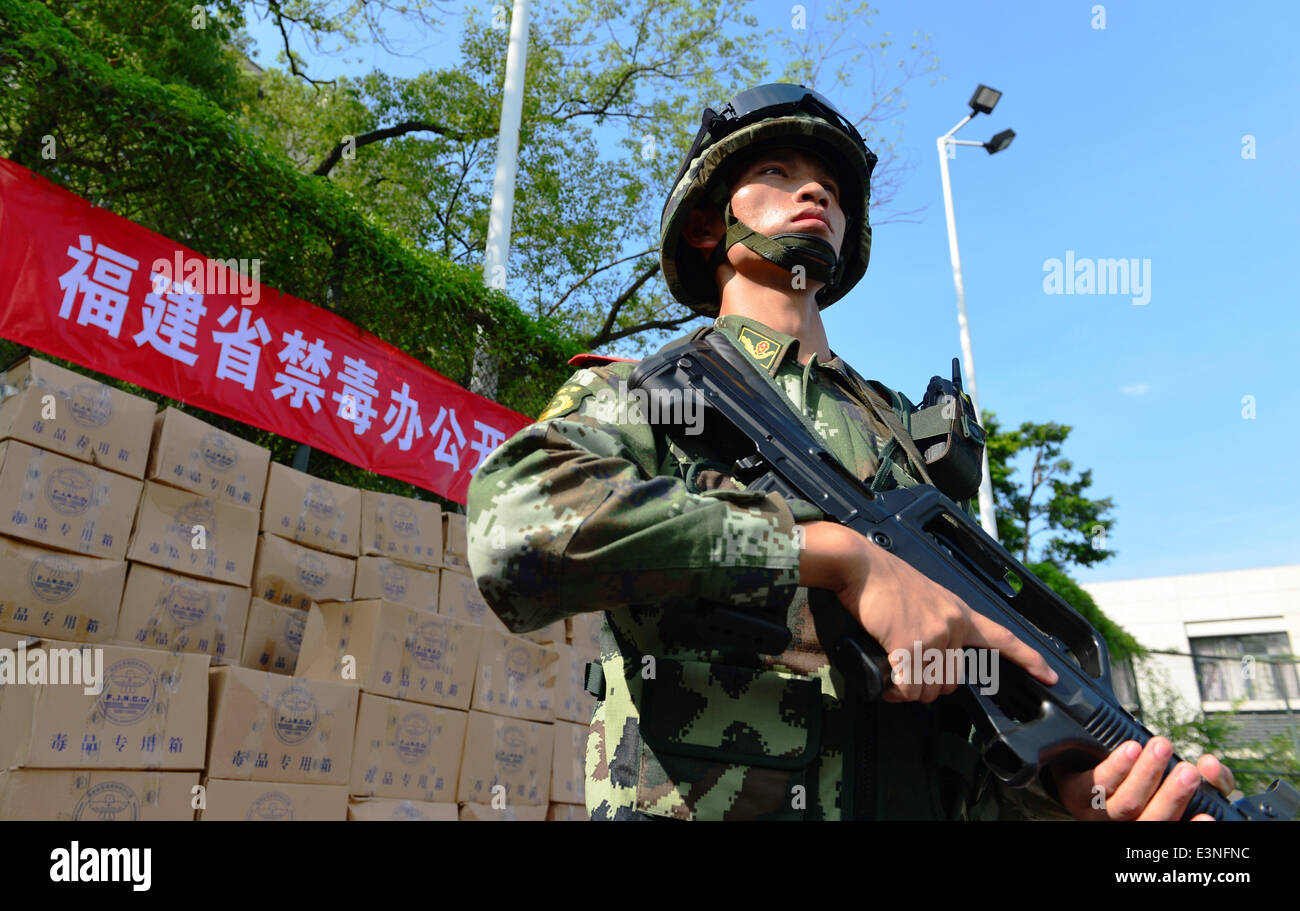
<point x="901" y="761"/>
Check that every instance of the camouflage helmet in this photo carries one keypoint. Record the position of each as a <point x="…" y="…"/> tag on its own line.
<point x="768" y="116"/>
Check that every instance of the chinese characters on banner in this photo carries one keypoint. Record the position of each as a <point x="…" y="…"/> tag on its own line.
<point x="86" y="285"/>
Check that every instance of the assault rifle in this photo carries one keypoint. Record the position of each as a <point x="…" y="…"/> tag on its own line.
<point x="1022" y="725"/>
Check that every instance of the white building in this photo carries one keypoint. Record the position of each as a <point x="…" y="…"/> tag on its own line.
<point x="1231" y="622"/>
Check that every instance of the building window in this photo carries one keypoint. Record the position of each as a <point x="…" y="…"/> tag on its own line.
<point x="1125" y="683"/>
<point x="1233" y="667"/>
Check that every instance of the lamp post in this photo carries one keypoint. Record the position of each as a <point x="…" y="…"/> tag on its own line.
<point x="496" y="255"/>
<point x="982" y="102"/>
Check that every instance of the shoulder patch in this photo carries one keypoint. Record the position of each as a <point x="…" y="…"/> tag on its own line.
<point x="588" y="360"/>
<point x="564" y="401"/>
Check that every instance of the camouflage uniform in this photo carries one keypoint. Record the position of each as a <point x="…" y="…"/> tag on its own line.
<point x="590" y="509"/>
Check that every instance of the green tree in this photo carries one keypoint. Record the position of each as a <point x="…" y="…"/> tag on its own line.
<point x="418" y="153"/>
<point x="1048" y="500"/>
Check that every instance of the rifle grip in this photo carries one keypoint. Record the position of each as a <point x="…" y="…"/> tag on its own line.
<point x="862" y="657"/>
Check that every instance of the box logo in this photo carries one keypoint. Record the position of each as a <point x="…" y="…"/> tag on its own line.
<point x="394" y="582"/>
<point x="319" y="501"/>
<point x="218" y="451"/>
<point x="414" y="737"/>
<point x="403" y="522"/>
<point x="512" y="746"/>
<point x="407" y="810"/>
<point x="273" y="805"/>
<point x="69" y="491"/>
<point x="296" y="714"/>
<point x="111" y="800"/>
<point x="53" y="578"/>
<point x="518" y="664"/>
<point x="429" y="644"/>
<point x="202" y="513"/>
<point x="312" y="573"/>
<point x="91" y="404"/>
<point x="130" y="688"/>
<point x="187" y="604"/>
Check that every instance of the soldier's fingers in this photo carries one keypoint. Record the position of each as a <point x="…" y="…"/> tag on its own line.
<point x="904" y="688"/>
<point x="984" y="632"/>
<point x="1176" y="790"/>
<point x="1216" y="773"/>
<point x="1111" y="771"/>
<point x="1138" y="787"/>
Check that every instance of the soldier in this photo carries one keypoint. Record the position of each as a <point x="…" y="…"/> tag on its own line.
<point x="593" y="509"/>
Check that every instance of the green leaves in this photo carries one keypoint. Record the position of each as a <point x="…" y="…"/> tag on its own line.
<point x="1044" y="498"/>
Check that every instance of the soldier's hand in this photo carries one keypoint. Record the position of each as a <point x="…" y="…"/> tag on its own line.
<point x="900" y="607"/>
<point x="1126" y="784"/>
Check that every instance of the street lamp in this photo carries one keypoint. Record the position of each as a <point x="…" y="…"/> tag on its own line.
<point x="982" y="102"/>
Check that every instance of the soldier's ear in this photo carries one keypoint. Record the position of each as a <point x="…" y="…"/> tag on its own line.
<point x="703" y="229"/>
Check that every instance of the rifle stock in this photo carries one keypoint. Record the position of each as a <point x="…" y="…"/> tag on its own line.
<point x="1023" y="724"/>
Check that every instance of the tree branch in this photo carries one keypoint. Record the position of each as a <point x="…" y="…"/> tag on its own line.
<point x="653" y="324"/>
<point x="593" y="273"/>
<point x="273" y="6"/>
<point x="604" y="334"/>
<point x="407" y="126"/>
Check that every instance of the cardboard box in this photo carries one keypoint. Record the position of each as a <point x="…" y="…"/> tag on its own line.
<point x="48" y="593"/>
<point x="179" y="613"/>
<point x="291" y="575"/>
<point x="584" y="633"/>
<point x="567" y="812"/>
<point x="271" y="727"/>
<point x="553" y="634"/>
<point x="65" y="504"/>
<point x="85" y="420"/>
<point x="459" y="599"/>
<point x="82" y="795"/>
<point x="572" y="701"/>
<point x="455" y="544"/>
<point x="312" y="511"/>
<point x="194" y="455"/>
<point x="481" y="812"/>
<point x="151" y="712"/>
<point x="273" y="638"/>
<point x="396" y="651"/>
<point x="192" y="534"/>
<point x="401" y="528"/>
<point x="406" y="750"/>
<point x="515" y="677"/>
<point x="376" y="809"/>
<point x="509" y="752"/>
<point x="278" y="801"/>
<point x="569" y="763"/>
<point x="379" y="577"/>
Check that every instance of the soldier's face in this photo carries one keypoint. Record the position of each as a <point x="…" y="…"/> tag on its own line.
<point x="784" y="190"/>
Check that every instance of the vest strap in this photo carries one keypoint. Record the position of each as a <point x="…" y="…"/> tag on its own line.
<point x="594" y="679"/>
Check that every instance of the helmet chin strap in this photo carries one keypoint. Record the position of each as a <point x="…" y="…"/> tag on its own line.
<point x="815" y="254"/>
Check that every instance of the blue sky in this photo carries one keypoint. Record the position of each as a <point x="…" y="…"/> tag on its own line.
<point x="1129" y="145"/>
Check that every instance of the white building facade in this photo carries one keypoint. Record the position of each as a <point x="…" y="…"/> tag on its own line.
<point x="1235" y="635"/>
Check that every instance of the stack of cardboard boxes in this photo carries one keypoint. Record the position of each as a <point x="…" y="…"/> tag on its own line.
<point x="356" y="672"/>
<point x="130" y="745"/>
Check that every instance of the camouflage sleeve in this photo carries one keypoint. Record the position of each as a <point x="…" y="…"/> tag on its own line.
<point x="572" y="514"/>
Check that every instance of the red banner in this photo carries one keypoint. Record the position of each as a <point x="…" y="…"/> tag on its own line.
<point x="89" y="286"/>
